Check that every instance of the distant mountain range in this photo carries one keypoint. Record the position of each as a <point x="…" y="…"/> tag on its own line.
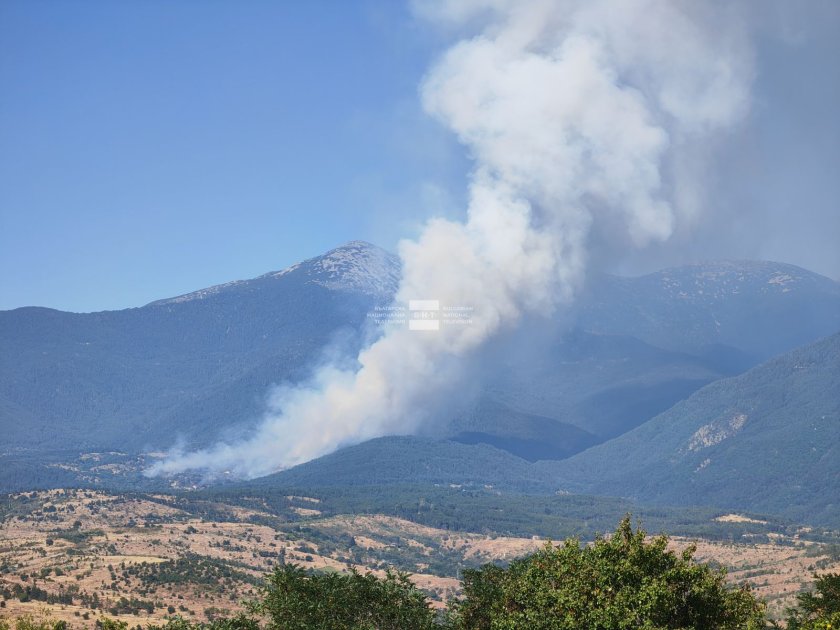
<point x="198" y="367"/>
<point x="757" y="308"/>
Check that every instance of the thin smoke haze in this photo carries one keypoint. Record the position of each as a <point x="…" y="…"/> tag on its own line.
<point x="578" y="116"/>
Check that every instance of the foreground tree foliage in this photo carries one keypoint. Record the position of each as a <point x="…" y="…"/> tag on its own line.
<point x="820" y="609"/>
<point x="29" y="622"/>
<point x="623" y="582"/>
<point x="240" y="622"/>
<point x="619" y="582"/>
<point x="293" y="599"/>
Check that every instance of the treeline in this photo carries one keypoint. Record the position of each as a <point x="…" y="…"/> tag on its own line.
<point x="191" y="569"/>
<point x="473" y="509"/>
<point x="32" y="593"/>
<point x="65" y="597"/>
<point x="620" y="582"/>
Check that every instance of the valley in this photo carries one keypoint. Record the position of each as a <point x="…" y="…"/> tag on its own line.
<point x="654" y="396"/>
<point x="82" y="554"/>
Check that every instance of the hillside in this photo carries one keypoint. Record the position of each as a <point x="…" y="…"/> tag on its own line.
<point x="199" y="367"/>
<point x="398" y="460"/>
<point x="522" y="434"/>
<point x="767" y="440"/>
<point x="602" y="384"/>
<point x="81" y="555"/>
<point x="189" y="367"/>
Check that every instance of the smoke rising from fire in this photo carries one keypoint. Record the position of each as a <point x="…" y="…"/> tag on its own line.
<point x="578" y="115"/>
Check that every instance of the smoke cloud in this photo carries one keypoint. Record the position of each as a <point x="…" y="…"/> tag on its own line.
<point x="578" y="116"/>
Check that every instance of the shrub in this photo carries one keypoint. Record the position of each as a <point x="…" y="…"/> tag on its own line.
<point x="819" y="609"/>
<point x="294" y="599"/>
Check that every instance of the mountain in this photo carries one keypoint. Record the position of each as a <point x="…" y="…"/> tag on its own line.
<point x="766" y="441"/>
<point x="748" y="310"/>
<point x="356" y="267"/>
<point x="192" y="366"/>
<point x="198" y="367"/>
<point x="407" y="459"/>
<point x="631" y="348"/>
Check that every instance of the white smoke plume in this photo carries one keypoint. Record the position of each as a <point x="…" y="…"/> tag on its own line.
<point x="577" y="115"/>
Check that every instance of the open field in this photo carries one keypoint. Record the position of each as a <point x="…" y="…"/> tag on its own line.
<point x="80" y="554"/>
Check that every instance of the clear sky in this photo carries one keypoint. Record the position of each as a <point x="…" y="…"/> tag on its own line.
<point x="152" y="148"/>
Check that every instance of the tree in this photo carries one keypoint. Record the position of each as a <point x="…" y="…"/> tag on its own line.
<point x="820" y="609"/>
<point x="294" y="599"/>
<point x="29" y="622"/>
<point x="619" y="582"/>
<point x="240" y="622"/>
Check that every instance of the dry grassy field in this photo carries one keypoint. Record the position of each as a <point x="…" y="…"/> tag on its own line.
<point x="82" y="554"/>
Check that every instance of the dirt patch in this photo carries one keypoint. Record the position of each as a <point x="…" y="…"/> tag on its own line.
<point x="738" y="518"/>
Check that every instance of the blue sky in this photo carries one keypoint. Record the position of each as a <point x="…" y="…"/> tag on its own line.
<point x="152" y="148"/>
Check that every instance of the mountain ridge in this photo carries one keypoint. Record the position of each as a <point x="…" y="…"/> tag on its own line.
<point x="199" y="369"/>
<point x="354" y="266"/>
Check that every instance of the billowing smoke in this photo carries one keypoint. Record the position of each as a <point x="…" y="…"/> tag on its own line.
<point x="578" y="115"/>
